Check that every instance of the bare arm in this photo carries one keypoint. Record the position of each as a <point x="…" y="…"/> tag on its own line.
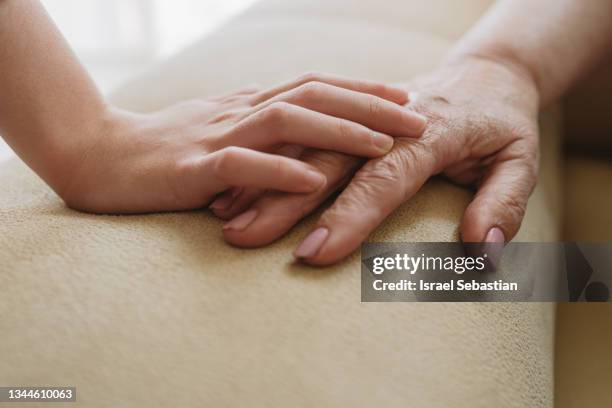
<point x="555" y="41"/>
<point x="102" y="159"/>
<point x="46" y="98"/>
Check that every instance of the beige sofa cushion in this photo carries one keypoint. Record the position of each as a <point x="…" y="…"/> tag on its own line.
<point x="157" y="311"/>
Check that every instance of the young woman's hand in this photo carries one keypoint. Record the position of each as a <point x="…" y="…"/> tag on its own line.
<point x="482" y="131"/>
<point x="181" y="157"/>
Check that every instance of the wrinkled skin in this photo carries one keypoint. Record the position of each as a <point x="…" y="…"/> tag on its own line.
<point x="482" y="132"/>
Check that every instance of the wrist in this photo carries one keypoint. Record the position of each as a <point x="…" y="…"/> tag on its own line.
<point x="84" y="144"/>
<point x="503" y="63"/>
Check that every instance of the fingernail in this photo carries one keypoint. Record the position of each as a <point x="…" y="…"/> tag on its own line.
<point x="495" y="236"/>
<point x="241" y="222"/>
<point x="494" y="246"/>
<point x="383" y="142"/>
<point x="311" y="245"/>
<point x="415" y="122"/>
<point x="399" y="93"/>
<point x="222" y="203"/>
<point x="314" y="179"/>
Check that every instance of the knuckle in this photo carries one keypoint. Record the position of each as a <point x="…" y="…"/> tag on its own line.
<point x="511" y="210"/>
<point x="385" y="178"/>
<point x="420" y="158"/>
<point x="526" y="154"/>
<point x="515" y="210"/>
<point x="227" y="116"/>
<point x="226" y="160"/>
<point x="310" y="76"/>
<point x="275" y="113"/>
<point x="311" y="91"/>
<point x="515" y="206"/>
<point x="184" y="168"/>
<point x="387" y="171"/>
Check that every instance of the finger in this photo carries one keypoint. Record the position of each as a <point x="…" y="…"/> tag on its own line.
<point x="239" y="167"/>
<point x="276" y="213"/>
<point x="495" y="214"/>
<point x="226" y="198"/>
<point x="230" y="204"/>
<point x="237" y="200"/>
<point x="283" y="123"/>
<point x="391" y="93"/>
<point x="375" y="191"/>
<point x="467" y="172"/>
<point x="247" y="90"/>
<point x="369" y="110"/>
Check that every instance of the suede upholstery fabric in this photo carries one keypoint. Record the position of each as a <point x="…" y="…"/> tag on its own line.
<point x="156" y="310"/>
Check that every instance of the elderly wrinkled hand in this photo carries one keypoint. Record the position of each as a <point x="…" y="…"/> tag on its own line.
<point x="482" y="131"/>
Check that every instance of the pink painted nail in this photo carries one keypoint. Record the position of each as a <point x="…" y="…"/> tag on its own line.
<point x="311" y="245"/>
<point x="494" y="246"/>
<point x="241" y="222"/>
<point x="222" y="203"/>
<point x="495" y="236"/>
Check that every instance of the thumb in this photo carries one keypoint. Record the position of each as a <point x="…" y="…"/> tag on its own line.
<point x="496" y="213"/>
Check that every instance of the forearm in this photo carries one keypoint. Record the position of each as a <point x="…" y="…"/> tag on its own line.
<point x="50" y="110"/>
<point x="552" y="41"/>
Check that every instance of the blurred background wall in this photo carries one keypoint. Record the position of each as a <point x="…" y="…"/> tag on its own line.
<point x="115" y="39"/>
